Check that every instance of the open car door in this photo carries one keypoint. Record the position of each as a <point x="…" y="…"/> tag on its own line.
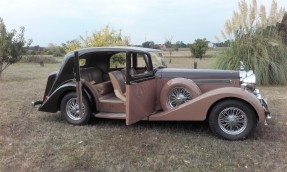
<point x="140" y="89"/>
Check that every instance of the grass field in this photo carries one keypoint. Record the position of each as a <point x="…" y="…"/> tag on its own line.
<point x="37" y="141"/>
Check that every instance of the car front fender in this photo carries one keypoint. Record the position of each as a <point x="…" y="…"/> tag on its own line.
<point x="197" y="109"/>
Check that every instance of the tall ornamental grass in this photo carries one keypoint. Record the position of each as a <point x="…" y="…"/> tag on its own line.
<point x="255" y="41"/>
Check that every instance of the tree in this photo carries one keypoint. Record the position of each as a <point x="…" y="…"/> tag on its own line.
<point x="223" y="44"/>
<point x="54" y="50"/>
<point x="169" y="46"/>
<point x="12" y="46"/>
<point x="199" y="48"/>
<point x="156" y="46"/>
<point x="104" y="37"/>
<point x="179" y="44"/>
<point x="254" y="40"/>
<point x="148" y="44"/>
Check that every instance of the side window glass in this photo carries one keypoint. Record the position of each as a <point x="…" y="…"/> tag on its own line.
<point x="82" y="62"/>
<point x="118" y="60"/>
<point x="142" y="66"/>
<point x="140" y="61"/>
<point x="142" y="70"/>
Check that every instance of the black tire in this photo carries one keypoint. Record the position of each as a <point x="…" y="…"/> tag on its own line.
<point x="69" y="102"/>
<point x="232" y="119"/>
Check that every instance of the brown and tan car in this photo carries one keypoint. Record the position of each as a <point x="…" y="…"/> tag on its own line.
<point x="145" y="89"/>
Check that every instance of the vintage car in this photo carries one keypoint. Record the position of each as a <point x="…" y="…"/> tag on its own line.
<point x="134" y="84"/>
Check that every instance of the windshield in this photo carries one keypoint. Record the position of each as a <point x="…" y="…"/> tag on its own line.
<point x="157" y="59"/>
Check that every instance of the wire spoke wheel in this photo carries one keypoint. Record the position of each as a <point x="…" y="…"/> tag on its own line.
<point x="232" y="120"/>
<point x="72" y="109"/>
<point x="178" y="96"/>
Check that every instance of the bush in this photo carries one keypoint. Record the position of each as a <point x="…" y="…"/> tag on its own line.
<point x="267" y="56"/>
<point x="38" y="59"/>
<point x="199" y="48"/>
<point x="254" y="40"/>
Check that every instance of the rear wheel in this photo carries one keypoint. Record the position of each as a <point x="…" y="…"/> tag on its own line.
<point x="232" y="120"/>
<point x="70" y="109"/>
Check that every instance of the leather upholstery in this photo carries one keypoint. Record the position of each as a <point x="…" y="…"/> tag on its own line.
<point x="94" y="77"/>
<point x="118" y="83"/>
<point x="104" y="87"/>
<point x="92" y="74"/>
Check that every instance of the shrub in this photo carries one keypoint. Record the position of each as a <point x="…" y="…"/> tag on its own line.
<point x="199" y="48"/>
<point x="38" y="59"/>
<point x="256" y="43"/>
<point x="268" y="58"/>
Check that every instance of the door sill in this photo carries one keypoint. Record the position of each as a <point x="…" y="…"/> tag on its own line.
<point x="110" y="115"/>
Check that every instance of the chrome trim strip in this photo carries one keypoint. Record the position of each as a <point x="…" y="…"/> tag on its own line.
<point x="213" y="81"/>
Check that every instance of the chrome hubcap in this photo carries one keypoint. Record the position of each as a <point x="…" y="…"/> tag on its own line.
<point x="178" y="96"/>
<point x="72" y="109"/>
<point x="232" y="120"/>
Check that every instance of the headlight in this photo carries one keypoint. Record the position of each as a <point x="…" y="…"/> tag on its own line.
<point x="249" y="81"/>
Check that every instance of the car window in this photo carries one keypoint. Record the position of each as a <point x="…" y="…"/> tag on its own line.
<point x="118" y="60"/>
<point x="82" y="62"/>
<point x="142" y="63"/>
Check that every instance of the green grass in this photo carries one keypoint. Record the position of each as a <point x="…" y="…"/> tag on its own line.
<point x="37" y="141"/>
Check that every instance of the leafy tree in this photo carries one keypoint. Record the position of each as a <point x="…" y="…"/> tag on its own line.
<point x="199" y="48"/>
<point x="104" y="37"/>
<point x="118" y="59"/>
<point x="12" y="46"/>
<point x="223" y="44"/>
<point x="255" y="41"/>
<point x="148" y="44"/>
<point x="156" y="46"/>
<point x="72" y="45"/>
<point x="54" y="50"/>
<point x="179" y="44"/>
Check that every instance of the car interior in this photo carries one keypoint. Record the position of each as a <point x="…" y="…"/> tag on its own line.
<point x="106" y="79"/>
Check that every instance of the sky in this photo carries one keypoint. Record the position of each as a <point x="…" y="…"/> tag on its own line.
<point x="59" y="21"/>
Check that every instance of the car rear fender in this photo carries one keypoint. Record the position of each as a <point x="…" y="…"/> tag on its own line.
<point x="52" y="102"/>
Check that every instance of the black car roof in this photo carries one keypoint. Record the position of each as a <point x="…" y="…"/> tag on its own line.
<point x="113" y="49"/>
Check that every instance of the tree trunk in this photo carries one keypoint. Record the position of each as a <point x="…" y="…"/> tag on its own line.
<point x="1" y="64"/>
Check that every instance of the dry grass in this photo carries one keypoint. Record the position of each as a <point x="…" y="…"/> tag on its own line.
<point x="183" y="59"/>
<point x="37" y="141"/>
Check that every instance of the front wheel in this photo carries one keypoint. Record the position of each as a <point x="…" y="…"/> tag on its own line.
<point x="232" y="120"/>
<point x="70" y="109"/>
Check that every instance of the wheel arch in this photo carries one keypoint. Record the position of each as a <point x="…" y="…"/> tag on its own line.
<point x="73" y="89"/>
<point x="231" y="98"/>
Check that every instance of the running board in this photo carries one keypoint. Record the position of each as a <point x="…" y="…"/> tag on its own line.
<point x="110" y="115"/>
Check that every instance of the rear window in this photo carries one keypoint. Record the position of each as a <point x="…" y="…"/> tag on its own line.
<point x="118" y="60"/>
<point x="82" y="62"/>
